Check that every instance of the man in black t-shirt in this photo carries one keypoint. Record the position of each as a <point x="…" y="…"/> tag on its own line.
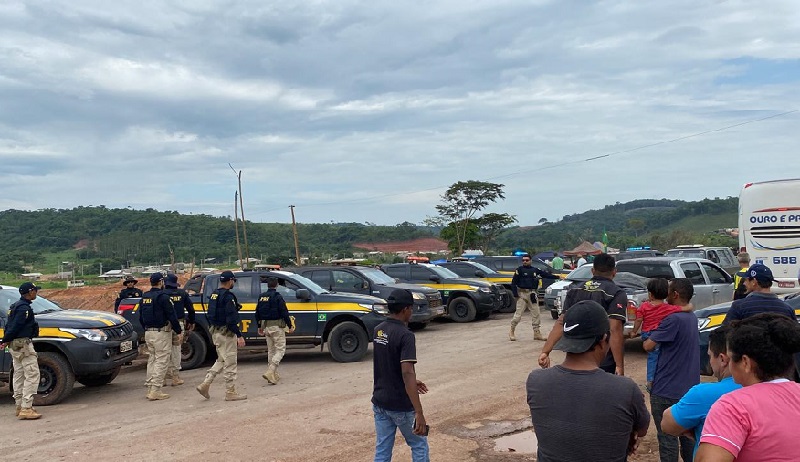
<point x="396" y="390"/>
<point x="601" y="289"/>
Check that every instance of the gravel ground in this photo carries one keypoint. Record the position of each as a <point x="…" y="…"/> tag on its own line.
<point x="320" y="411"/>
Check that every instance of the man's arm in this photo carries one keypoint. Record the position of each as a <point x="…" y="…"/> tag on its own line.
<point x="284" y="311"/>
<point x="555" y="335"/>
<point x="710" y="453"/>
<point x="514" y="282"/>
<point x="649" y="345"/>
<point x="169" y="312"/>
<point x="12" y="328"/>
<point x="232" y="317"/>
<point x="618" y="344"/>
<point x="671" y="427"/>
<point x="412" y="390"/>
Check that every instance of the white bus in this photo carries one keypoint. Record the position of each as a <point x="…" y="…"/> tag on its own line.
<point x="769" y="229"/>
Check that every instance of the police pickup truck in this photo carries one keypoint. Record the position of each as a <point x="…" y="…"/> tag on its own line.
<point x="466" y="299"/>
<point x="89" y="347"/>
<point x="372" y="281"/>
<point x="344" y="321"/>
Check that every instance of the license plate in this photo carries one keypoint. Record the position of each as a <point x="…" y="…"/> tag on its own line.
<point x="125" y="346"/>
<point x="786" y="284"/>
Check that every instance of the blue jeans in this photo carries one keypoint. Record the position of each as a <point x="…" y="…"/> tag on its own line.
<point x="652" y="358"/>
<point x="668" y="445"/>
<point x="386" y="425"/>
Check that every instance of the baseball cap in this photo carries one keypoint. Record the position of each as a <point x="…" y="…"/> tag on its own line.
<point x="27" y="287"/>
<point x="401" y="297"/>
<point x="227" y="276"/>
<point x="583" y="323"/>
<point x="760" y="272"/>
<point x="171" y="281"/>
<point x="155" y="278"/>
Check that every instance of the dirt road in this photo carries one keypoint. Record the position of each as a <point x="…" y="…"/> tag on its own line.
<point x="319" y="412"/>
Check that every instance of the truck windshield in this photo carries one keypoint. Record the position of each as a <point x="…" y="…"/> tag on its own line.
<point x="40" y="305"/>
<point x="377" y="276"/>
<point x="309" y="284"/>
<point x="443" y="272"/>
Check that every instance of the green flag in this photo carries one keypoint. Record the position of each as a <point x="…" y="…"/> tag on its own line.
<point x="605" y="241"/>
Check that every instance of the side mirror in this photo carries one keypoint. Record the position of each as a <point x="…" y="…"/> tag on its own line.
<point x="434" y="278"/>
<point x="480" y="273"/>
<point x="303" y="294"/>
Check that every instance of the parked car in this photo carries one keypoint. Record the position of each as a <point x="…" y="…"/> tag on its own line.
<point x="722" y="256"/>
<point x="366" y="280"/>
<point x="88" y="347"/>
<point x="582" y="274"/>
<point x="628" y="254"/>
<point x="472" y="269"/>
<point x="466" y="299"/>
<point x="711" y="283"/>
<point x="711" y="317"/>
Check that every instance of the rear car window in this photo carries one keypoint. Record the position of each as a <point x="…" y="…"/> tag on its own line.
<point x="647" y="270"/>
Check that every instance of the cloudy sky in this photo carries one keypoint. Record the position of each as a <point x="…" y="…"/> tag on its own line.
<point x="365" y="111"/>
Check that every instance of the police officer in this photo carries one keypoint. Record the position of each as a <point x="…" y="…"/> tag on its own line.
<point x="157" y="316"/>
<point x="739" y="290"/>
<point x="128" y="292"/>
<point x="524" y="285"/>
<point x="223" y="322"/>
<point x="272" y="318"/>
<point x="183" y="304"/>
<point x="19" y="332"/>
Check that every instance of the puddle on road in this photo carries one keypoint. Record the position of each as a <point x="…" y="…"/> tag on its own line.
<point x="522" y="443"/>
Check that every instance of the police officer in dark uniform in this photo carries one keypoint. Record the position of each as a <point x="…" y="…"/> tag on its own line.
<point x="223" y="320"/>
<point x="128" y="292"/>
<point x="157" y="316"/>
<point x="272" y="318"/>
<point x="601" y="289"/>
<point x="524" y="285"/>
<point x="183" y="304"/>
<point x="19" y="333"/>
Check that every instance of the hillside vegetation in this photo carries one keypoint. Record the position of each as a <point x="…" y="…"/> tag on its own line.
<point x="93" y="236"/>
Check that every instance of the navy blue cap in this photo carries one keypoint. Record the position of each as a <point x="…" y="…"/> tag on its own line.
<point x="155" y="278"/>
<point x="27" y="287"/>
<point x="401" y="297"/>
<point x="171" y="281"/>
<point x="227" y="276"/>
<point x="760" y="272"/>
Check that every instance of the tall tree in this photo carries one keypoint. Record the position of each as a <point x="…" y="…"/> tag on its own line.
<point x="490" y="225"/>
<point x="463" y="200"/>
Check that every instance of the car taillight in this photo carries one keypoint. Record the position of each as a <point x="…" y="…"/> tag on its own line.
<point x="123" y="308"/>
<point x="632" y="309"/>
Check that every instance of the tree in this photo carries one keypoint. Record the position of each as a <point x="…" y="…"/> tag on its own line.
<point x="471" y="239"/>
<point x="490" y="225"/>
<point x="542" y="220"/>
<point x="462" y="201"/>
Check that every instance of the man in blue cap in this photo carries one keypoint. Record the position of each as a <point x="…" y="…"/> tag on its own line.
<point x="18" y="335"/>
<point x="157" y="316"/>
<point x="759" y="299"/>
<point x="223" y="322"/>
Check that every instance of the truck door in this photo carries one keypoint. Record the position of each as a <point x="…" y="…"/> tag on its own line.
<point x="345" y="281"/>
<point x="246" y="291"/>
<point x="703" y="295"/>
<point x="720" y="282"/>
<point x="304" y="312"/>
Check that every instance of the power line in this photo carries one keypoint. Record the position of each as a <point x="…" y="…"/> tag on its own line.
<point x="550" y="167"/>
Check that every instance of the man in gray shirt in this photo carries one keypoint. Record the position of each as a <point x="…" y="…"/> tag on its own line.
<point x="578" y="411"/>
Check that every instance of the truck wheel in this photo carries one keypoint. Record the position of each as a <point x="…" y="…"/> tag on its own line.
<point x="193" y="351"/>
<point x="56" y="379"/>
<point x="509" y="306"/>
<point x="348" y="342"/>
<point x="99" y="380"/>
<point x="461" y="309"/>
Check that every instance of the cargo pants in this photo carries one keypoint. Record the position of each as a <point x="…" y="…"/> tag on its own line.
<point x="175" y="352"/>
<point x="26" y="371"/>
<point x="227" y="356"/>
<point x="159" y="348"/>
<point x="276" y="344"/>
<point x="524" y="302"/>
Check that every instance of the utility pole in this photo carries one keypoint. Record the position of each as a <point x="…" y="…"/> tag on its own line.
<point x="296" y="245"/>
<point x="236" y="225"/>
<point x="244" y="222"/>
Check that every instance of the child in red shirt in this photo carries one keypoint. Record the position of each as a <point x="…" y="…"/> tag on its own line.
<point x="650" y="315"/>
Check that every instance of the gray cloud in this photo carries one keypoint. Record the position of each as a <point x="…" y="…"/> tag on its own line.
<point x="358" y="111"/>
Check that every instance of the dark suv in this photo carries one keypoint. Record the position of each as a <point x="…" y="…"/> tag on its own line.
<point x="466" y="299"/>
<point x="366" y="280"/>
<point x="508" y="264"/>
<point x="471" y="269"/>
